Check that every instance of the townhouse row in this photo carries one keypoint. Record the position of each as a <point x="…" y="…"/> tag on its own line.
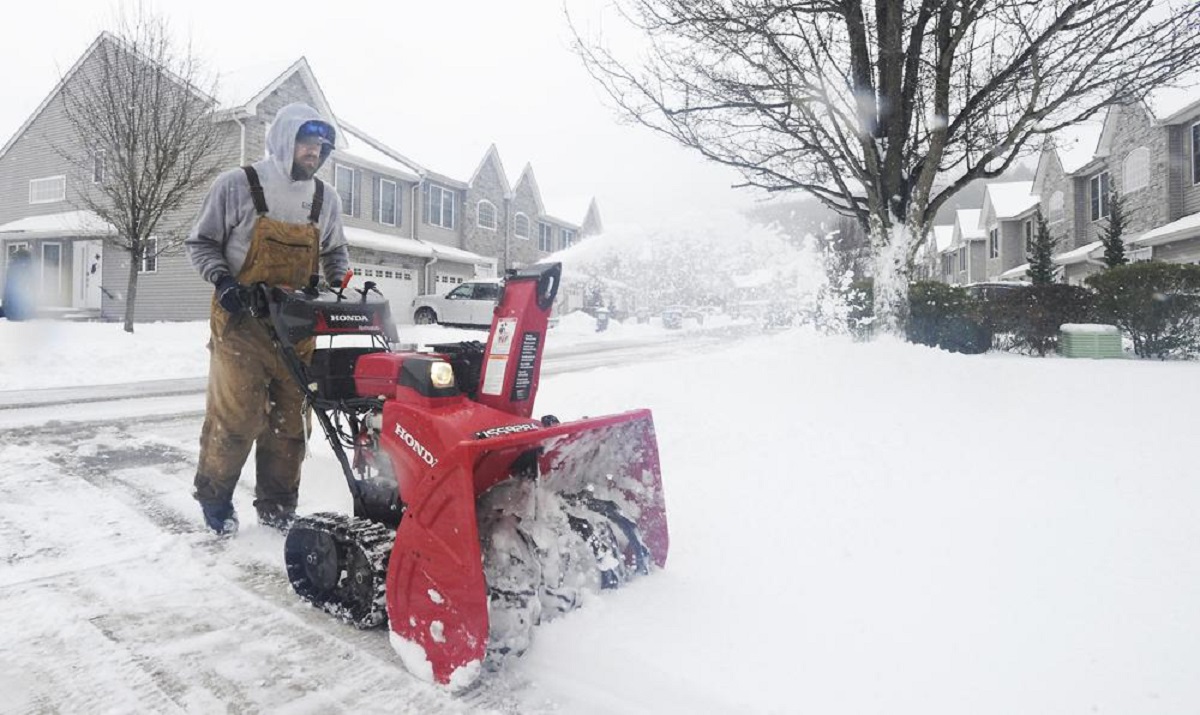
<point x="1149" y="152"/>
<point x="411" y="229"/>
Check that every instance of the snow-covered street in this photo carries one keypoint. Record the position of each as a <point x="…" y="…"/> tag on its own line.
<point x="855" y="528"/>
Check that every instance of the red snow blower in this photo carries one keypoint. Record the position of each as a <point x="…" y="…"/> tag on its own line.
<point x="473" y="521"/>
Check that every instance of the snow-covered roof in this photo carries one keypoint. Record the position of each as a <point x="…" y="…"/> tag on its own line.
<point x="389" y="243"/>
<point x="966" y="224"/>
<point x="1079" y="255"/>
<point x="942" y="236"/>
<point x="1076" y="145"/>
<point x="1169" y="104"/>
<point x="1005" y="200"/>
<point x="236" y="87"/>
<point x="1186" y="227"/>
<point x="1015" y="274"/>
<point x="362" y="148"/>
<point x="67" y="223"/>
<point x="460" y="255"/>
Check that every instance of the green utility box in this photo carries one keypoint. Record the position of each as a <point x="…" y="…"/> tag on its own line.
<point x="1087" y="340"/>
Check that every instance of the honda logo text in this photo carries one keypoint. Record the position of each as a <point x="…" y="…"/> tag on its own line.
<point x="416" y="446"/>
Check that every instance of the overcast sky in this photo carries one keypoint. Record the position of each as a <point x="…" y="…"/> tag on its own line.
<point x="439" y="82"/>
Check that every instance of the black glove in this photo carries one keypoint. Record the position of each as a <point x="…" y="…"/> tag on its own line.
<point x="231" y="295"/>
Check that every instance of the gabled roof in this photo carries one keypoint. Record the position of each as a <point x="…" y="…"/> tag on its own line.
<point x="943" y="236"/>
<point x="966" y="225"/>
<point x="1170" y="105"/>
<point x="1073" y="148"/>
<point x="361" y="148"/>
<point x="1007" y="200"/>
<point x="493" y="155"/>
<point x="302" y="69"/>
<point x="591" y="220"/>
<point x="58" y="87"/>
<point x="527" y="177"/>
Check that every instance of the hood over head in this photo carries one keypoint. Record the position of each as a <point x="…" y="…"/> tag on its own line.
<point x="281" y="137"/>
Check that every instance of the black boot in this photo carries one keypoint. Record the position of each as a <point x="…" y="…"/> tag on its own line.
<point x="276" y="516"/>
<point x="220" y="516"/>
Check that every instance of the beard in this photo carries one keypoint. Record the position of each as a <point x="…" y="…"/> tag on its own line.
<point x="301" y="172"/>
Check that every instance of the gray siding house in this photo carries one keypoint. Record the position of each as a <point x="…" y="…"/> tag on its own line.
<point x="411" y="230"/>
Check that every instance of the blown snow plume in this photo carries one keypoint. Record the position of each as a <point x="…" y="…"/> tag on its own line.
<point x="705" y="260"/>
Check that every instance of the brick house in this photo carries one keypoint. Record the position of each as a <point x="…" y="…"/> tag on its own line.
<point x="1149" y="152"/>
<point x="411" y="229"/>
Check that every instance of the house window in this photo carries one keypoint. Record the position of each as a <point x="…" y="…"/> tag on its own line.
<point x="1057" y="206"/>
<point x="385" y="202"/>
<point x="994" y="243"/>
<point x="14" y="248"/>
<point x="343" y="181"/>
<point x="98" y="167"/>
<point x="1137" y="169"/>
<point x="1196" y="153"/>
<point x="1028" y="236"/>
<point x="47" y="190"/>
<point x="51" y="269"/>
<point x="568" y="237"/>
<point x="521" y="225"/>
<point x="1098" y="192"/>
<point x="485" y="215"/>
<point x="545" y="242"/>
<point x="439" y="206"/>
<point x="149" y="262"/>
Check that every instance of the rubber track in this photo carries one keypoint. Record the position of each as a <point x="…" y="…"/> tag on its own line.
<point x="373" y="539"/>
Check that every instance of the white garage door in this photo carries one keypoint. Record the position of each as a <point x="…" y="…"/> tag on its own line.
<point x="398" y="285"/>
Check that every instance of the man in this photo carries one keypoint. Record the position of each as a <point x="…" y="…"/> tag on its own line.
<point x="270" y="222"/>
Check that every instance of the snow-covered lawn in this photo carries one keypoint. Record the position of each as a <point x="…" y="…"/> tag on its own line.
<point x="855" y="528"/>
<point x="48" y="353"/>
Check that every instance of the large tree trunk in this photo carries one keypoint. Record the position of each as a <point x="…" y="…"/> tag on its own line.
<point x="131" y="290"/>
<point x="891" y="247"/>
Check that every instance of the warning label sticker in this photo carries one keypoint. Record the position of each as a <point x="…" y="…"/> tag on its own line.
<point x="493" y="375"/>
<point x="506" y="328"/>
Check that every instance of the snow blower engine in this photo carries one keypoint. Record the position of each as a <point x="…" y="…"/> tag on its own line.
<point x="473" y="521"/>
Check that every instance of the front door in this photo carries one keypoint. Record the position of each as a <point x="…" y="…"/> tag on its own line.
<point x="86" y="275"/>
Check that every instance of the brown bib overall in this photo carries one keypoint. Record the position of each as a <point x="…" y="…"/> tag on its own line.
<point x="252" y="398"/>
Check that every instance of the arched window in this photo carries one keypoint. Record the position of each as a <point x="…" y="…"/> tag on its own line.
<point x="521" y="225"/>
<point x="1137" y="169"/>
<point x="485" y="215"/>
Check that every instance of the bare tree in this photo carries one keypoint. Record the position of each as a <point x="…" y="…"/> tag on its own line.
<point x="143" y="139"/>
<point x="884" y="111"/>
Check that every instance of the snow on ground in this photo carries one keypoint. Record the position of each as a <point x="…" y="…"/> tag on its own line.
<point x="48" y="353"/>
<point x="855" y="528"/>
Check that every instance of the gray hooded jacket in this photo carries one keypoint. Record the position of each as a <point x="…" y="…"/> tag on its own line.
<point x="220" y="239"/>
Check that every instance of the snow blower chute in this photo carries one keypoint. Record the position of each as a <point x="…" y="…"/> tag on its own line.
<point x="473" y="521"/>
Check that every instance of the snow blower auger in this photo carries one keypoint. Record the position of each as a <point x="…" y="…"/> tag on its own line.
<point x="501" y="520"/>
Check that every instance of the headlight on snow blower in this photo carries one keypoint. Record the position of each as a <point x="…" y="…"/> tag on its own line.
<point x="441" y="374"/>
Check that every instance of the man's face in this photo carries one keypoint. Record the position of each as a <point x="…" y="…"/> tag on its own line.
<point x="306" y="158"/>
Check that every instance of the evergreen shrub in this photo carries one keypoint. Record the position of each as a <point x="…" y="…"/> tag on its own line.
<point x="1156" y="304"/>
<point x="1030" y="316"/>
<point x="945" y="316"/>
